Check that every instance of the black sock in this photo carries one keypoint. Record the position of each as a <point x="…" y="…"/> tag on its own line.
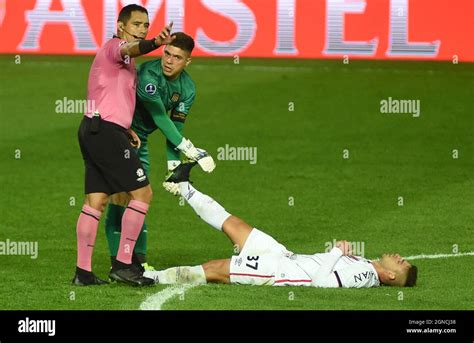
<point x="82" y="272"/>
<point x="116" y="264"/>
<point x="138" y="258"/>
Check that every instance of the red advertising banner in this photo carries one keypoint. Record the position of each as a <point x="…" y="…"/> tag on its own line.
<point x="370" y="29"/>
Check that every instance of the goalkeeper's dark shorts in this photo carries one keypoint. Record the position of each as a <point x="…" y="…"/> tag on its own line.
<point x="112" y="164"/>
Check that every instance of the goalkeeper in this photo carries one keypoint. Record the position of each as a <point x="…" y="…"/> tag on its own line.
<point x="163" y="86"/>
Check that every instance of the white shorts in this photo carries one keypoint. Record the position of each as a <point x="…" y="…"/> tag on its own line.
<point x="264" y="261"/>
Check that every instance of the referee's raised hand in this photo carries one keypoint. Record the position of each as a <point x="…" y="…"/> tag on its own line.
<point x="142" y="46"/>
<point x="165" y="36"/>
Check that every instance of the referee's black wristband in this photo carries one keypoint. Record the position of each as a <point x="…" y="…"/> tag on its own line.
<point x="146" y="46"/>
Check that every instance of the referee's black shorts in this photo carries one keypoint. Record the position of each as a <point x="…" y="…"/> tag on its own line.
<point x="112" y="165"/>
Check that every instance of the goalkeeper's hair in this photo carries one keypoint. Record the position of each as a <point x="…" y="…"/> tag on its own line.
<point x="183" y="41"/>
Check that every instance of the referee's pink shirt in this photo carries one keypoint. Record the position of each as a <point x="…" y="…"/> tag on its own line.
<point x="112" y="84"/>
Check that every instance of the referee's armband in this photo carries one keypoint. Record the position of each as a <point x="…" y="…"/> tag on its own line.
<point x="146" y="46"/>
<point x="177" y="116"/>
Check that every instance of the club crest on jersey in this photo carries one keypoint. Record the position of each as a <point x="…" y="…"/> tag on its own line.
<point x="175" y="97"/>
<point x="150" y="88"/>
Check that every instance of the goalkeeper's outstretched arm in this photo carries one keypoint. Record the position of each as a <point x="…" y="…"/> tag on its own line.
<point x="172" y="134"/>
<point x="173" y="155"/>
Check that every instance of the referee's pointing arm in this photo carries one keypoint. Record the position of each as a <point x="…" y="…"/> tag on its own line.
<point x="140" y="46"/>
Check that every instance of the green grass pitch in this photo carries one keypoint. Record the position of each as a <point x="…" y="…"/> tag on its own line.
<point x="300" y="163"/>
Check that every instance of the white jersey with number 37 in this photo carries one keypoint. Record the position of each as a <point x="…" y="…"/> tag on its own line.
<point x="264" y="261"/>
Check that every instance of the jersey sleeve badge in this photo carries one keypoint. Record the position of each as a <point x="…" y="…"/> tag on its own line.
<point x="150" y="88"/>
<point x="175" y="97"/>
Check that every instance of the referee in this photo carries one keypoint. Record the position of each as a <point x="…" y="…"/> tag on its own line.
<point x="105" y="139"/>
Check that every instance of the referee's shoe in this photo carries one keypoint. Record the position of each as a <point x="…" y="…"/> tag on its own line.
<point x="86" y="278"/>
<point x="129" y="273"/>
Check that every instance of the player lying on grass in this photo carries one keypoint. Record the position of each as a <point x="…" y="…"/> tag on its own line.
<point x="163" y="86"/>
<point x="264" y="261"/>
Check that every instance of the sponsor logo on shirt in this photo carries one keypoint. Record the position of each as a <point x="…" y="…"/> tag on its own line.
<point x="190" y="195"/>
<point x="367" y="275"/>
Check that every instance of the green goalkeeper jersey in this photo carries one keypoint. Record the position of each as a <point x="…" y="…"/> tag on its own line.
<point x="157" y="96"/>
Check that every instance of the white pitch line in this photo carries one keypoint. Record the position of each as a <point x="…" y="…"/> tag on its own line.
<point x="423" y="256"/>
<point x="155" y="301"/>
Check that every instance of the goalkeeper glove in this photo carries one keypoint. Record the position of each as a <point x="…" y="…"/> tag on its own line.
<point x="200" y="156"/>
